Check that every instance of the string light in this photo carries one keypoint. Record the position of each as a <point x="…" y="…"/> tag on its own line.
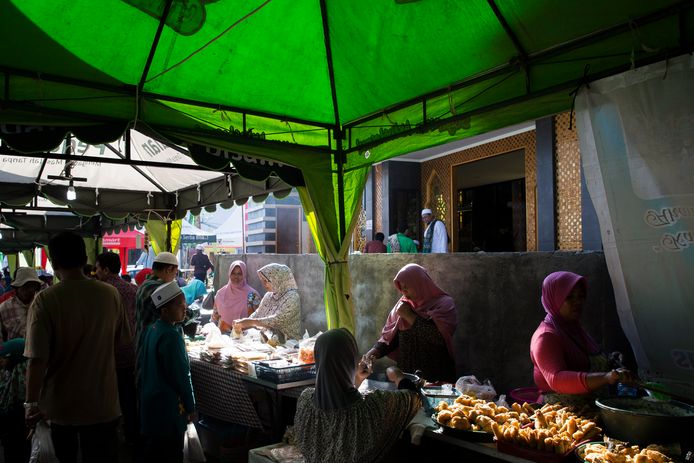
<point x="71" y="193"/>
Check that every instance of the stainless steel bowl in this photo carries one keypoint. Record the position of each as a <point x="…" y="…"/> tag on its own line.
<point x="642" y="421"/>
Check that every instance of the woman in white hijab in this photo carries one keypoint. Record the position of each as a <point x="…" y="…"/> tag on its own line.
<point x="280" y="309"/>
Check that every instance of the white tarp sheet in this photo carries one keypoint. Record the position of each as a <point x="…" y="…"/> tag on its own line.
<point x="636" y="133"/>
<point x="14" y="169"/>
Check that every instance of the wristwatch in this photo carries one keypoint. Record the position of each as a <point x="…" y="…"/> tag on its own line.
<point x="30" y="405"/>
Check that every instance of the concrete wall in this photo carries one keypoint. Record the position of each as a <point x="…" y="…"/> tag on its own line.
<point x="497" y="296"/>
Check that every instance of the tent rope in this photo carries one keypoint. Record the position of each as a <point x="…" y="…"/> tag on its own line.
<point x="583" y="81"/>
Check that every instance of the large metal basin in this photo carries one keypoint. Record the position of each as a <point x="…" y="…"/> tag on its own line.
<point x="642" y="421"/>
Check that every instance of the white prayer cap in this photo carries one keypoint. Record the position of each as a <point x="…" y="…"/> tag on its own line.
<point x="426" y="211"/>
<point x="165" y="293"/>
<point x="166" y="258"/>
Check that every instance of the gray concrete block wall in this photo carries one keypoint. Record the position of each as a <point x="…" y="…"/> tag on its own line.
<point x="497" y="297"/>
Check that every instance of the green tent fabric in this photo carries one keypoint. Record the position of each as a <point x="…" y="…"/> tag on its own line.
<point x="319" y="199"/>
<point x="157" y="230"/>
<point x="309" y="82"/>
<point x="12" y="262"/>
<point x="93" y="247"/>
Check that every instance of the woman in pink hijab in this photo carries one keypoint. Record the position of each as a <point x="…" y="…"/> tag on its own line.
<point x="236" y="299"/>
<point x="567" y="361"/>
<point x="418" y="332"/>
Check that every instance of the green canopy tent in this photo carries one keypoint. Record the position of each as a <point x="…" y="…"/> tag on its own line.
<point x="327" y="86"/>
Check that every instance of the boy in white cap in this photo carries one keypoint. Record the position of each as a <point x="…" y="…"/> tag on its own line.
<point x="435" y="235"/>
<point x="13" y="312"/>
<point x="165" y="390"/>
<point x="164" y="270"/>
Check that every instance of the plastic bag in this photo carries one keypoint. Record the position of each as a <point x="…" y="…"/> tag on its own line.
<point x="306" y="348"/>
<point x="470" y="385"/>
<point x="42" y="450"/>
<point x="192" y="448"/>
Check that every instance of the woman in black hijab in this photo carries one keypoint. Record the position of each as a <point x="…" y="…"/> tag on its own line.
<point x="335" y="422"/>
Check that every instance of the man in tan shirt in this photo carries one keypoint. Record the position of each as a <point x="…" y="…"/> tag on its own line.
<point x="72" y="328"/>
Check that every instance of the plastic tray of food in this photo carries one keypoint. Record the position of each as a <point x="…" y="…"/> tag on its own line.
<point x="435" y="394"/>
<point x="613" y="451"/>
<point x="539" y="456"/>
<point x="279" y="373"/>
<point x="465" y="434"/>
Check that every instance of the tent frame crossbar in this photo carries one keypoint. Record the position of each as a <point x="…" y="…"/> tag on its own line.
<point x="536" y="58"/>
<point x="566" y="86"/>
<point x="6" y="151"/>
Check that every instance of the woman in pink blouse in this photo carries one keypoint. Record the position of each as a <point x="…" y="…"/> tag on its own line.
<point x="566" y="360"/>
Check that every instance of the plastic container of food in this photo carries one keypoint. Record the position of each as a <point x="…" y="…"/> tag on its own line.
<point x="645" y="421"/>
<point x="284" y="374"/>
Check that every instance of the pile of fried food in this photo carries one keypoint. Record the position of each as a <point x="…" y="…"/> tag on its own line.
<point x="470" y="414"/>
<point x="619" y="453"/>
<point x="556" y="429"/>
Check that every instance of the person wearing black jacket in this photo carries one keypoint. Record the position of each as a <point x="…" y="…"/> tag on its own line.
<point x="201" y="264"/>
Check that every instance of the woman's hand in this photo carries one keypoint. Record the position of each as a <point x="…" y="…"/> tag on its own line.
<point x="406" y="312"/>
<point x="242" y="324"/>
<point x="363" y="371"/>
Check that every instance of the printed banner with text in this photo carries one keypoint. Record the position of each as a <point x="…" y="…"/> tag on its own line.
<point x="636" y="133"/>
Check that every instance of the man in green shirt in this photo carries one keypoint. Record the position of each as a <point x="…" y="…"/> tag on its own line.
<point x="399" y="242"/>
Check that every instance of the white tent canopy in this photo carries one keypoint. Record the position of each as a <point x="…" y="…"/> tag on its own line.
<point x="122" y="178"/>
<point x="124" y="183"/>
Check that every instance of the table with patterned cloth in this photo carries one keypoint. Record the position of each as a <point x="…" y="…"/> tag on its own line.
<point x="232" y="397"/>
<point x="221" y="393"/>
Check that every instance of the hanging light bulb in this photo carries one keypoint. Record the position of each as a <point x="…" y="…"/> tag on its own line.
<point x="71" y="193"/>
<point x="0" y="234"/>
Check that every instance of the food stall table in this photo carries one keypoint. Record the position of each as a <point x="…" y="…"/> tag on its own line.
<point x="482" y="448"/>
<point x="221" y="394"/>
<point x="229" y="396"/>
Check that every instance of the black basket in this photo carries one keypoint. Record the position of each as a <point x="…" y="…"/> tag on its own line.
<point x="282" y="375"/>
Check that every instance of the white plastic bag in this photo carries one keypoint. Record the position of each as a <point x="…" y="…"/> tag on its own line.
<point x="470" y="385"/>
<point x="192" y="448"/>
<point x="42" y="450"/>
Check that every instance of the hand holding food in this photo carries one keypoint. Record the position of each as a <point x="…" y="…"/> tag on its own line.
<point x="364" y="368"/>
<point x="406" y="312"/>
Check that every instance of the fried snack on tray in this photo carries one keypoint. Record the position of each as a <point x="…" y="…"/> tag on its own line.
<point x="470" y="414"/>
<point x="556" y="429"/>
<point x="603" y="453"/>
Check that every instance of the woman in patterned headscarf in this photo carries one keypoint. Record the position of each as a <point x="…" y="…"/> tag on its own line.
<point x="280" y="309"/>
<point x="361" y="427"/>
<point x="418" y="332"/>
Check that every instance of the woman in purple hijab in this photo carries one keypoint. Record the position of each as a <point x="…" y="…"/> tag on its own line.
<point x="568" y="364"/>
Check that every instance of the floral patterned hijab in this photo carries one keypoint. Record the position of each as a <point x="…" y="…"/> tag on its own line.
<point x="280" y="277"/>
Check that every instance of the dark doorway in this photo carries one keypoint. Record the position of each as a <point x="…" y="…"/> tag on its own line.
<point x="492" y="217"/>
<point x="490" y="200"/>
<point x="405" y="209"/>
